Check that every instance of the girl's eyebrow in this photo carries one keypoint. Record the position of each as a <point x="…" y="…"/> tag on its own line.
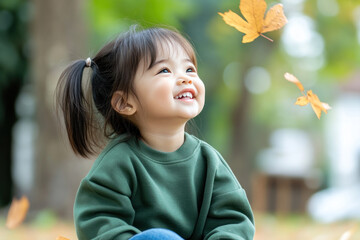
<point x="188" y="60"/>
<point x="167" y="60"/>
<point x="156" y="63"/>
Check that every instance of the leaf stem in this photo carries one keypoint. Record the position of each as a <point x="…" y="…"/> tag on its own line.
<point x="266" y="37"/>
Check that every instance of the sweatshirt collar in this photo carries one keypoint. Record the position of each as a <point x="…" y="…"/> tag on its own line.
<point x="183" y="153"/>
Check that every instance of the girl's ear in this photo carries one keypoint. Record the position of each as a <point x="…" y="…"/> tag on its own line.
<point x="121" y="105"/>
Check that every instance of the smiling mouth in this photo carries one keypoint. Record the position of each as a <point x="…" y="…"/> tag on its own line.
<point x="185" y="95"/>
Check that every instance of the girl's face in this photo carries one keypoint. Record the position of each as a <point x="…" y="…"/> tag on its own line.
<point x="170" y="90"/>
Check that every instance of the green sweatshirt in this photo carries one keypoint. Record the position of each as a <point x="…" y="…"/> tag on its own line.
<point x="132" y="187"/>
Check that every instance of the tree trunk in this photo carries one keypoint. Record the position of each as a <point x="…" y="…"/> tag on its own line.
<point x="58" y="34"/>
<point x="239" y="149"/>
<point x="241" y="154"/>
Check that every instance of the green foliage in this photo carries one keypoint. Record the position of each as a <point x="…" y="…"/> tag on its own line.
<point x="13" y="67"/>
<point x="10" y="4"/>
<point x="109" y="17"/>
<point x="13" y="38"/>
<point x="340" y="35"/>
<point x="45" y="219"/>
<point x="14" y="17"/>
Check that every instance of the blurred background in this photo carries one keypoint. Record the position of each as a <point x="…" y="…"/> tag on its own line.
<point x="289" y="162"/>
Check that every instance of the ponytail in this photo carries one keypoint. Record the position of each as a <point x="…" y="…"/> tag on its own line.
<point x="76" y="109"/>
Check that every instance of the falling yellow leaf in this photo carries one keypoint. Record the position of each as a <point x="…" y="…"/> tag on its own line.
<point x="302" y="101"/>
<point x="17" y="212"/>
<point x="62" y="238"/>
<point x="293" y="79"/>
<point x="315" y="103"/>
<point x="326" y="106"/>
<point x="255" y="24"/>
<point x="310" y="97"/>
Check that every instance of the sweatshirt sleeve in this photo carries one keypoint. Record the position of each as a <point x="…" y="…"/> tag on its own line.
<point x="102" y="213"/>
<point x="230" y="215"/>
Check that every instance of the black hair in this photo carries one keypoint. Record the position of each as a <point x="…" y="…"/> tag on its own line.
<point x="113" y="69"/>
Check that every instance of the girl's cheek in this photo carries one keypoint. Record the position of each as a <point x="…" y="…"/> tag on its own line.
<point x="165" y="89"/>
<point x="201" y="86"/>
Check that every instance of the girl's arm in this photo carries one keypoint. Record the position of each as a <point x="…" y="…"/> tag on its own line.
<point x="102" y="213"/>
<point x="230" y="217"/>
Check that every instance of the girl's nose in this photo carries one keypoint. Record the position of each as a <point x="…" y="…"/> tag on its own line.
<point x="184" y="80"/>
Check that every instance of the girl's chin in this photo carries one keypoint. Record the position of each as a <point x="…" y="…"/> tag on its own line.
<point x="190" y="116"/>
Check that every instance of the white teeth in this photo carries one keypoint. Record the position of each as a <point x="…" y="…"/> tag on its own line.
<point x="184" y="95"/>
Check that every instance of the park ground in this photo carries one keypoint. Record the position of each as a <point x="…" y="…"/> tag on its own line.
<point x="46" y="226"/>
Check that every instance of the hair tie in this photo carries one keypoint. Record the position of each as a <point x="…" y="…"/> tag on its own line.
<point x="88" y="62"/>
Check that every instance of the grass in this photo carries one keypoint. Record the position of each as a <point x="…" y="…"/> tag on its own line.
<point x="46" y="226"/>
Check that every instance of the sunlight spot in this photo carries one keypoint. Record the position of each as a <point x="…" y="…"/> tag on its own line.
<point x="257" y="80"/>
<point x="312" y="63"/>
<point x="300" y="39"/>
<point x="231" y="75"/>
<point x="293" y="5"/>
<point x="328" y="8"/>
<point x="346" y="235"/>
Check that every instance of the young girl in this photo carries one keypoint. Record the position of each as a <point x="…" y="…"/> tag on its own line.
<point x="153" y="180"/>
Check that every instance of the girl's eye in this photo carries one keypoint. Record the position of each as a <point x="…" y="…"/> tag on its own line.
<point x="165" y="70"/>
<point x="191" y="69"/>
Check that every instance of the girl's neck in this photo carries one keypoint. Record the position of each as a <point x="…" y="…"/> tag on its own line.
<point x="164" y="141"/>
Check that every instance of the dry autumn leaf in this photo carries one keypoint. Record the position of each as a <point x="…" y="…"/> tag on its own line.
<point x="310" y="97"/>
<point x="255" y="24"/>
<point x="293" y="79"/>
<point x="17" y="212"/>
